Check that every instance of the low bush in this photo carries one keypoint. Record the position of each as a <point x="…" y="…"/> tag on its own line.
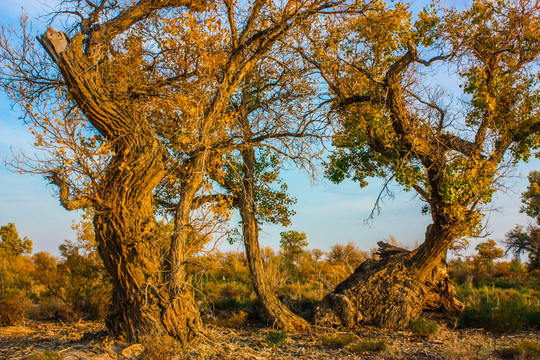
<point x="56" y="309"/>
<point x="525" y="349"/>
<point x="276" y="337"/>
<point x="13" y="306"/>
<point x="94" y="304"/>
<point x="337" y="341"/>
<point x="424" y="327"/>
<point x="500" y="310"/>
<point x="227" y="294"/>
<point x="366" y="346"/>
<point x="235" y="320"/>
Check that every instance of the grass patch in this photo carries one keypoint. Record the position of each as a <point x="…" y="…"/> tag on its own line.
<point x="366" y="346"/>
<point x="337" y="341"/>
<point x="424" y="327"/>
<point x="525" y="349"/>
<point x="276" y="337"/>
<point x="498" y="310"/>
<point x="477" y="347"/>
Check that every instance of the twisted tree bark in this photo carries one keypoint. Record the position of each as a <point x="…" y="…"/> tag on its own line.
<point x="145" y="300"/>
<point x="387" y="292"/>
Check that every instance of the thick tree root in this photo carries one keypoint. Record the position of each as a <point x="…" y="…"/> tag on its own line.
<point x="385" y="293"/>
<point x="290" y="317"/>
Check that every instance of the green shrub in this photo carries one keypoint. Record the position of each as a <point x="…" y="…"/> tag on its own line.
<point x="424" y="327"/>
<point x="227" y="294"/>
<point x="307" y="293"/>
<point x="500" y="310"/>
<point x="337" y="341"/>
<point x="276" y="337"/>
<point x="367" y="346"/>
<point x="525" y="349"/>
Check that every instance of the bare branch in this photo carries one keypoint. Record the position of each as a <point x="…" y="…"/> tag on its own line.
<point x="79" y="202"/>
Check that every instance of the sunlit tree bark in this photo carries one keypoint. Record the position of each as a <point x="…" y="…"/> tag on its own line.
<point x="124" y="221"/>
<point x="154" y="80"/>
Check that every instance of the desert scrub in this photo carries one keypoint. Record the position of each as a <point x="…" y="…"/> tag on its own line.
<point x="234" y="319"/>
<point x="525" y="349"/>
<point x="366" y="346"/>
<point x="276" y="337"/>
<point x="227" y="294"/>
<point x="500" y="310"/>
<point x="159" y="347"/>
<point x="13" y="306"/>
<point x="56" y="308"/>
<point x="424" y="327"/>
<point x="308" y="293"/>
<point x="337" y="341"/>
<point x="476" y="346"/>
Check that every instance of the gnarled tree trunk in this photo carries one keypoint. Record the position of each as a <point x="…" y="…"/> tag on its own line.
<point x="125" y="226"/>
<point x="391" y="291"/>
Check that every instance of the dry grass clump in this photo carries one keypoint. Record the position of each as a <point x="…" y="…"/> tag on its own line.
<point x="475" y="347"/>
<point x="365" y="346"/>
<point x="47" y="355"/>
<point x="159" y="347"/>
<point x="233" y="320"/>
<point x="337" y="341"/>
<point x="525" y="349"/>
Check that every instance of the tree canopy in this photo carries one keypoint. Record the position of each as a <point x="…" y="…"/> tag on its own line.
<point x="141" y="108"/>
<point x="396" y="120"/>
<point x="189" y="108"/>
<point x="12" y="245"/>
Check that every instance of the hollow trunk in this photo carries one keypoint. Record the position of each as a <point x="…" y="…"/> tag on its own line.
<point x="392" y="291"/>
<point x="273" y="310"/>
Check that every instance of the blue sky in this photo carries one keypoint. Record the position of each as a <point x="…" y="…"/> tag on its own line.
<point x="327" y="213"/>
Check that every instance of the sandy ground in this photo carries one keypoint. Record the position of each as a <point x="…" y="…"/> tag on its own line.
<point x="89" y="340"/>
